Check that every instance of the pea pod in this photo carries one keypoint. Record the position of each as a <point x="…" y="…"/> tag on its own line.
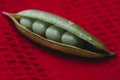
<point x="84" y="44"/>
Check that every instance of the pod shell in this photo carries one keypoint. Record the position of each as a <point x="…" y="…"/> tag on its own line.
<point x="62" y="23"/>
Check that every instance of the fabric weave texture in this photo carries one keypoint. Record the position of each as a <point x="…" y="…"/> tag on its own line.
<point x="22" y="59"/>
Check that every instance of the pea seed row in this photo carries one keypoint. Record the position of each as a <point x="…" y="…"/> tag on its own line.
<point x="50" y="31"/>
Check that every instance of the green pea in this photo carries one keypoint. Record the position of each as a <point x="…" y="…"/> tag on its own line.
<point x="40" y="27"/>
<point x="71" y="39"/>
<point x="26" y="22"/>
<point x="54" y="33"/>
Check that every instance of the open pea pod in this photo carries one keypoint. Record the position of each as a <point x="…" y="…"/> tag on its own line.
<point x="91" y="47"/>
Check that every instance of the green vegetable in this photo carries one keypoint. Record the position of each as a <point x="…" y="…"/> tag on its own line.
<point x="26" y="22"/>
<point x="54" y="33"/>
<point x="58" y="33"/>
<point x="71" y="39"/>
<point x="39" y="27"/>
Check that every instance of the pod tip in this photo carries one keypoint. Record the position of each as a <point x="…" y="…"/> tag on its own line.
<point x="111" y="54"/>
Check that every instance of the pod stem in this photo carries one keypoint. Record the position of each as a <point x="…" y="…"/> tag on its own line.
<point x="5" y="13"/>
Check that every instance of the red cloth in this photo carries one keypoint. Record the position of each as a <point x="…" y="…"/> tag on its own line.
<point x="22" y="59"/>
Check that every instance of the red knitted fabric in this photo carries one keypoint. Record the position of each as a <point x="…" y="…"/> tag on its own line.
<point x="22" y="59"/>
